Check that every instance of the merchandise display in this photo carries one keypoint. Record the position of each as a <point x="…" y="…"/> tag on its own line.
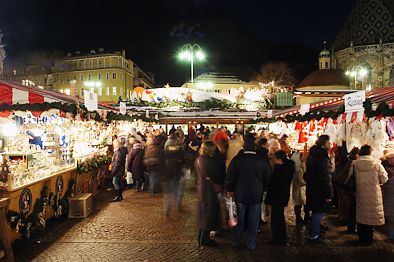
<point x="33" y="149"/>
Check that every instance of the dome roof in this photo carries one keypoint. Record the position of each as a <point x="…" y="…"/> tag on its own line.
<point x="324" y="53"/>
<point x="325" y="77"/>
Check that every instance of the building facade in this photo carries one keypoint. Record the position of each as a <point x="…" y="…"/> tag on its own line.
<point x="109" y="74"/>
<point x="366" y="42"/>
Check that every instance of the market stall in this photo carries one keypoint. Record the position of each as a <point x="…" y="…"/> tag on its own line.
<point x="371" y="124"/>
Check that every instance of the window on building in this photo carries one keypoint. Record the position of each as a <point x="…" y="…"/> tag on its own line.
<point x="114" y="91"/>
<point x="99" y="76"/>
<point x="113" y="75"/>
<point x="81" y="77"/>
<point x="89" y="77"/>
<point x="108" y="91"/>
<point x="100" y="91"/>
<point x="121" y="91"/>
<point x="81" y="92"/>
<point x="100" y="63"/>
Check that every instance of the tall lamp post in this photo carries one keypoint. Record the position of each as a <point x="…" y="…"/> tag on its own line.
<point x="358" y="71"/>
<point x="191" y="52"/>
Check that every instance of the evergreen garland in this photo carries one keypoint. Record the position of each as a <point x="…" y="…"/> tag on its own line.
<point x="382" y="110"/>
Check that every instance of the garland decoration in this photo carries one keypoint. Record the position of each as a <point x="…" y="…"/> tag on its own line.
<point x="93" y="164"/>
<point x="382" y="110"/>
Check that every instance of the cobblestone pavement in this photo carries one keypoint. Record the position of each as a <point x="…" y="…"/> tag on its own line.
<point x="136" y="230"/>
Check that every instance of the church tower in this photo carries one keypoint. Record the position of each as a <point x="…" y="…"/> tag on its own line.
<point x="324" y="58"/>
<point x="2" y="56"/>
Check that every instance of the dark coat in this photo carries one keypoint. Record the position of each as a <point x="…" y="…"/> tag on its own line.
<point x="248" y="177"/>
<point x="174" y="159"/>
<point x="346" y="197"/>
<point x="263" y="152"/>
<point x="279" y="187"/>
<point x="118" y="163"/>
<point x="135" y="163"/>
<point x="221" y="161"/>
<point x="318" y="180"/>
<point x="208" y="207"/>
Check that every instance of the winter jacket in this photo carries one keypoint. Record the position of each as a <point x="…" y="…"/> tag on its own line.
<point x="248" y="177"/>
<point x="174" y="157"/>
<point x="370" y="175"/>
<point x="135" y="162"/>
<point x="299" y="184"/>
<point x="388" y="189"/>
<point x="279" y="187"/>
<point x="118" y="163"/>
<point x="318" y="180"/>
<point x="154" y="152"/>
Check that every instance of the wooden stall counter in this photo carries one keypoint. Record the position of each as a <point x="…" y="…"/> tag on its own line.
<point x="37" y="201"/>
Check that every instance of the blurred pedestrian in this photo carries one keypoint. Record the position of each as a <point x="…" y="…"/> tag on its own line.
<point x="234" y="147"/>
<point x="346" y="196"/>
<point x="208" y="185"/>
<point x="369" y="175"/>
<point x="118" y="170"/>
<point x="247" y="180"/>
<point x="172" y="188"/>
<point x="319" y="190"/>
<point x="278" y="196"/>
<point x="299" y="188"/>
<point x="154" y="159"/>
<point x="135" y="165"/>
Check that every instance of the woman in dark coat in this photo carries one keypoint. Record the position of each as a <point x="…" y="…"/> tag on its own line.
<point x="346" y="197"/>
<point x="208" y="185"/>
<point x="135" y="165"/>
<point x="278" y="195"/>
<point x="118" y="170"/>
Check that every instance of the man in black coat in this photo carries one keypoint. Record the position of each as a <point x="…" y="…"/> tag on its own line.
<point x="319" y="193"/>
<point x="278" y="196"/>
<point x="247" y="180"/>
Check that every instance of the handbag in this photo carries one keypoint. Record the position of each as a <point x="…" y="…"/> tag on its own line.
<point x="350" y="182"/>
<point x="231" y="213"/>
<point x="129" y="178"/>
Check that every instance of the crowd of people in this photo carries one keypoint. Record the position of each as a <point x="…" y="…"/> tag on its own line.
<point x="259" y="172"/>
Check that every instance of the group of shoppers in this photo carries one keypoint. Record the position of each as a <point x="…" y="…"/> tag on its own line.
<point x="259" y="173"/>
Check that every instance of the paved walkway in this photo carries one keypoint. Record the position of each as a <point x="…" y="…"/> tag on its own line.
<point x="136" y="230"/>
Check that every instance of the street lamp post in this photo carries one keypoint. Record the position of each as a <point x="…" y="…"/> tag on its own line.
<point x="191" y="52"/>
<point x="356" y="72"/>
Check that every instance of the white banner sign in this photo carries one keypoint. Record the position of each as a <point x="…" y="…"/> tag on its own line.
<point x="122" y="108"/>
<point x="90" y="99"/>
<point x="354" y="101"/>
<point x="304" y="109"/>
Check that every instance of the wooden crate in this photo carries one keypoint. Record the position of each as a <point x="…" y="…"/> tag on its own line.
<point x="80" y="206"/>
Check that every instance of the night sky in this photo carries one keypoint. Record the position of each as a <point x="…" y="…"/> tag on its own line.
<point x="244" y="33"/>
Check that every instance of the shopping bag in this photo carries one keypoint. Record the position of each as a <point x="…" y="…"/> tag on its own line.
<point x="231" y="213"/>
<point x="129" y="178"/>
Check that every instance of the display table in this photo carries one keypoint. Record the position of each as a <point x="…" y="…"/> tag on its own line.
<point x="23" y="198"/>
<point x="5" y="240"/>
